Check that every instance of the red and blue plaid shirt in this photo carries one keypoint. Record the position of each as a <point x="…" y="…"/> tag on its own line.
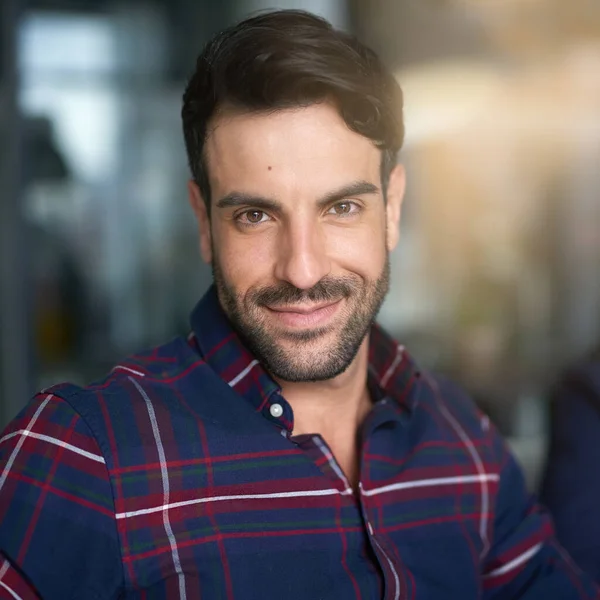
<point x="175" y="477"/>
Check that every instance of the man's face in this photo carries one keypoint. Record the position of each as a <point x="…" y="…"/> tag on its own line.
<point x="299" y="236"/>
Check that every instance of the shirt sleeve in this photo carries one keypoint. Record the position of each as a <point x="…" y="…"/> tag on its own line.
<point x="525" y="562"/>
<point x="58" y="535"/>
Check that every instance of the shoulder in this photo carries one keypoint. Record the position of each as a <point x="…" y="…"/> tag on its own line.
<point x="161" y="367"/>
<point x="119" y="409"/>
<point x="446" y="415"/>
<point x="443" y="397"/>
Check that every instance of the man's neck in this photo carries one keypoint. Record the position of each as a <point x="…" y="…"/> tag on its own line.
<point x="335" y="410"/>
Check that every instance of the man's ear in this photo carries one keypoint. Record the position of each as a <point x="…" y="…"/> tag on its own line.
<point x="198" y="205"/>
<point x="395" y="196"/>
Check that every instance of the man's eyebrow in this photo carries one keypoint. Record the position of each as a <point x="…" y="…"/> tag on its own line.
<point x="356" y="188"/>
<point x="234" y="199"/>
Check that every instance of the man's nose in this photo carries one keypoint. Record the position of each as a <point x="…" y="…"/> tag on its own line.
<point x="302" y="259"/>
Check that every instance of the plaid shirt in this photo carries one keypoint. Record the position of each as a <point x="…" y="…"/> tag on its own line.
<point x="178" y="476"/>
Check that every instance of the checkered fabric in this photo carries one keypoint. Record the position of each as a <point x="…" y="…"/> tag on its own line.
<point x="174" y="477"/>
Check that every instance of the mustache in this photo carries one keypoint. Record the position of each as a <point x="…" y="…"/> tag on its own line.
<point x="328" y="289"/>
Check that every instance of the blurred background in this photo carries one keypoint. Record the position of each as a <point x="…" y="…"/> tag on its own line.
<point x="496" y="281"/>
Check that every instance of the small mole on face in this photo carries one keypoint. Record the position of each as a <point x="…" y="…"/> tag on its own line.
<point x="270" y="167"/>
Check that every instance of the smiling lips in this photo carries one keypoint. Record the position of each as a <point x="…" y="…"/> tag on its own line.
<point x="302" y="316"/>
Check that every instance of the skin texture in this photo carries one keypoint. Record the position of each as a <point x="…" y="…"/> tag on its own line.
<point x="299" y="238"/>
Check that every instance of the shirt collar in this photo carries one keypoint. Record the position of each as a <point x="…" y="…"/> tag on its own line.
<point x="223" y="350"/>
<point x="392" y="372"/>
<point x="392" y="369"/>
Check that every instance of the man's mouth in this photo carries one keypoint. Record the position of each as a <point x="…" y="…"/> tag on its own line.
<point x="305" y="315"/>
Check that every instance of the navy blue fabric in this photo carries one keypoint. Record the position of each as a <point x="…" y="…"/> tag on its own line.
<point x="571" y="482"/>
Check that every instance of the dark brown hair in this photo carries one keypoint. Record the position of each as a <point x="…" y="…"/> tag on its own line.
<point x="285" y="59"/>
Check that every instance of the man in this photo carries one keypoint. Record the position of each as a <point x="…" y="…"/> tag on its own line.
<point x="288" y="448"/>
<point x="571" y="486"/>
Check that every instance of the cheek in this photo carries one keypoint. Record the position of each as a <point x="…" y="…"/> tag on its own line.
<point x="361" y="251"/>
<point x="245" y="260"/>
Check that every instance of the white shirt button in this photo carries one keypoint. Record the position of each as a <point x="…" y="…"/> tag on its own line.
<point x="276" y="410"/>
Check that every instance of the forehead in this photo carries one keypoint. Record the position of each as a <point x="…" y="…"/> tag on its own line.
<point x="298" y="152"/>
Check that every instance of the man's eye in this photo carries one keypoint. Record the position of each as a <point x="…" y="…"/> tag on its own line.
<point x="252" y="217"/>
<point x="343" y="208"/>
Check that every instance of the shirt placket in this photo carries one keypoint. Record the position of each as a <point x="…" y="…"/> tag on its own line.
<point x="279" y="411"/>
<point x="322" y="455"/>
<point x="393" y="578"/>
<point x="391" y="574"/>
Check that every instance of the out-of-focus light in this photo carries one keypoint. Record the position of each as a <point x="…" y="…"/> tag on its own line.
<point x="440" y="99"/>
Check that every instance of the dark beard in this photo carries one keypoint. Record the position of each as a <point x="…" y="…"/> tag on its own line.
<point x="362" y="297"/>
